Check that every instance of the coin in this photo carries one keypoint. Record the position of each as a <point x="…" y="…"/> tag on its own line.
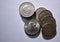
<point x="45" y="13"/>
<point x="32" y="27"/>
<point x="26" y="9"/>
<point x="48" y="31"/>
<point x="49" y="19"/>
<point x="38" y="11"/>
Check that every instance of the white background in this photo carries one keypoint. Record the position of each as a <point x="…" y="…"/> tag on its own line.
<point x="12" y="26"/>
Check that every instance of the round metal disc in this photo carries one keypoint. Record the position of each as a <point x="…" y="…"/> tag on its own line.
<point x="48" y="31"/>
<point x="49" y="19"/>
<point x="26" y="9"/>
<point x="32" y="27"/>
<point x="38" y="11"/>
<point x="44" y="14"/>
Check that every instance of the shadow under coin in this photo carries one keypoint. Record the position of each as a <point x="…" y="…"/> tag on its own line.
<point x="27" y="19"/>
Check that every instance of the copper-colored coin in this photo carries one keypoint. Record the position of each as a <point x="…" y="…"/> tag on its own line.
<point x="44" y="14"/>
<point x="47" y="22"/>
<point x="49" y="19"/>
<point x="49" y="27"/>
<point x="48" y="30"/>
<point x="38" y="11"/>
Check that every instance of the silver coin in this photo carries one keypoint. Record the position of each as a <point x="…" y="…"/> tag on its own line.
<point x="26" y="9"/>
<point x="32" y="27"/>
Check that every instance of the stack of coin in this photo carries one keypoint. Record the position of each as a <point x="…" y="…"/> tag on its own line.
<point x="27" y="12"/>
<point x="47" y="21"/>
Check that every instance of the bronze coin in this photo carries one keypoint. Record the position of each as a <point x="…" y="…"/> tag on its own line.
<point x="48" y="31"/>
<point x="44" y="14"/>
<point x="49" y="19"/>
<point x="38" y="11"/>
<point x="47" y="22"/>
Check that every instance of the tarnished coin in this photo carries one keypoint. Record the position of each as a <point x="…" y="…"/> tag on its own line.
<point x="48" y="30"/>
<point x="49" y="27"/>
<point x="32" y="27"/>
<point x="38" y="11"/>
<point x="47" y="22"/>
<point x="49" y="19"/>
<point x="26" y="9"/>
<point x="45" y="13"/>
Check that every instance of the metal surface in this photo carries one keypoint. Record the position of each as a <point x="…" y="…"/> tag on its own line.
<point x="26" y="9"/>
<point x="32" y="27"/>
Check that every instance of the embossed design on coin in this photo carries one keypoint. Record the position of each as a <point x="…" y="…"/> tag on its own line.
<point x="32" y="27"/>
<point x="26" y="9"/>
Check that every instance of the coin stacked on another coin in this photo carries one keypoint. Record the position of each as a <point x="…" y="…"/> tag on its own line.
<point x="34" y="19"/>
<point x="27" y="12"/>
<point x="47" y="22"/>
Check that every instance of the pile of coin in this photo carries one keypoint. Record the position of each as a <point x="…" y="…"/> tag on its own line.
<point x="47" y="22"/>
<point x="31" y="26"/>
<point x="41" y="17"/>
